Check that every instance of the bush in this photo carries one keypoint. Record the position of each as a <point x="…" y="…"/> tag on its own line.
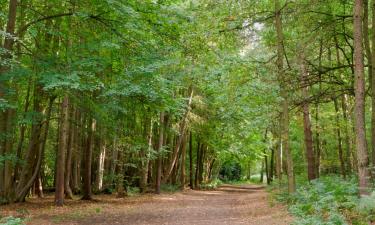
<point x="11" y="221"/>
<point x="169" y="188"/>
<point x="328" y="201"/>
<point x="366" y="207"/>
<point x="211" y="185"/>
<point x="230" y="171"/>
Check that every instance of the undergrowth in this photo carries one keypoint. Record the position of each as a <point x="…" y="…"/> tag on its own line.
<point x="11" y="221"/>
<point x="329" y="200"/>
<point x="211" y="185"/>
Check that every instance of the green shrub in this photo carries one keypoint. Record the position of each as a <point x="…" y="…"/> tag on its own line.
<point x="230" y="171"/>
<point x="211" y="185"/>
<point x="328" y="201"/>
<point x="169" y="188"/>
<point x="366" y="206"/>
<point x="11" y="221"/>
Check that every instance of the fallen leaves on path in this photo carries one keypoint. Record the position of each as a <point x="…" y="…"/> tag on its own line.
<point x="228" y="205"/>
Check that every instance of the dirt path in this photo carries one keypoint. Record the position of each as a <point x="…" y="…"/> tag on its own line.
<point x="229" y="205"/>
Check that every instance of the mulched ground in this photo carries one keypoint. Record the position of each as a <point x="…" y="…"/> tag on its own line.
<point x="227" y="205"/>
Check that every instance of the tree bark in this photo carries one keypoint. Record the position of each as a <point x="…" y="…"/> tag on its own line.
<point x="359" y="89"/>
<point x="183" y="158"/>
<point x="348" y="145"/>
<point x="101" y="160"/>
<point x="339" y="139"/>
<point x="372" y="87"/>
<point x="191" y="181"/>
<point x="198" y="154"/>
<point x="311" y="171"/>
<point x="285" y="101"/>
<point x="160" y="157"/>
<point x="181" y="136"/>
<point x="6" y="117"/>
<point x="87" y="190"/>
<point x="69" y="153"/>
<point x="61" y="154"/>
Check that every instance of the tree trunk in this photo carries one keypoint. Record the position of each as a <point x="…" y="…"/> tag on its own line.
<point x="63" y="139"/>
<point x="6" y="117"/>
<point x="39" y="187"/>
<point x="348" y="145"/>
<point x="121" y="191"/>
<point x="266" y="168"/>
<point x="261" y="172"/>
<point x="69" y="153"/>
<point x="271" y="165"/>
<point x="145" y="155"/>
<point x="285" y="101"/>
<point x="160" y="156"/>
<point x="87" y="190"/>
<point x="311" y="171"/>
<point x="196" y="181"/>
<point x="181" y="136"/>
<point x="339" y="139"/>
<point x="191" y="181"/>
<point x="359" y="89"/>
<point x="366" y="40"/>
<point x="114" y="159"/>
<point x="372" y="87"/>
<point x="101" y="160"/>
<point x="76" y="154"/>
<point x="33" y="160"/>
<point x="317" y="141"/>
<point x="183" y="158"/>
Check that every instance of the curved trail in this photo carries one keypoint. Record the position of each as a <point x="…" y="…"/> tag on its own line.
<point x="228" y="205"/>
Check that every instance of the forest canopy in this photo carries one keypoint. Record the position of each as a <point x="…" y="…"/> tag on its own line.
<point x="102" y="96"/>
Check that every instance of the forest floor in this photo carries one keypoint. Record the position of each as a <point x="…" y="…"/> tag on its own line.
<point x="229" y="205"/>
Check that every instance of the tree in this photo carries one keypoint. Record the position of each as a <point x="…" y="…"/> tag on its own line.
<point x="359" y="109"/>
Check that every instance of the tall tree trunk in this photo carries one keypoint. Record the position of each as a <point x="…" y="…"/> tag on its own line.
<point x="160" y="156"/>
<point x="366" y="39"/>
<point x="180" y="137"/>
<point x="261" y="172"/>
<point x="266" y="168"/>
<point x="87" y="190"/>
<point x="39" y="187"/>
<point x="372" y="86"/>
<point x="285" y="101"/>
<point x="198" y="154"/>
<point x="183" y="158"/>
<point x="145" y="155"/>
<point x="6" y="117"/>
<point x="121" y="190"/>
<point x="37" y="143"/>
<point x="271" y="164"/>
<point x="76" y="153"/>
<point x="22" y="134"/>
<point x="339" y="139"/>
<point x="317" y="141"/>
<point x="101" y="160"/>
<point x="311" y="171"/>
<point x="359" y="89"/>
<point x="114" y="159"/>
<point x="348" y="145"/>
<point x="278" y="158"/>
<point x="69" y="154"/>
<point x="191" y="181"/>
<point x="63" y="144"/>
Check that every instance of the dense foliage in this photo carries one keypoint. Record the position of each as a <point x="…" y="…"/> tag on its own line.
<point x="114" y="96"/>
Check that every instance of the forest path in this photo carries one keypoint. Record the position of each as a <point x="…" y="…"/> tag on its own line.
<point x="229" y="205"/>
